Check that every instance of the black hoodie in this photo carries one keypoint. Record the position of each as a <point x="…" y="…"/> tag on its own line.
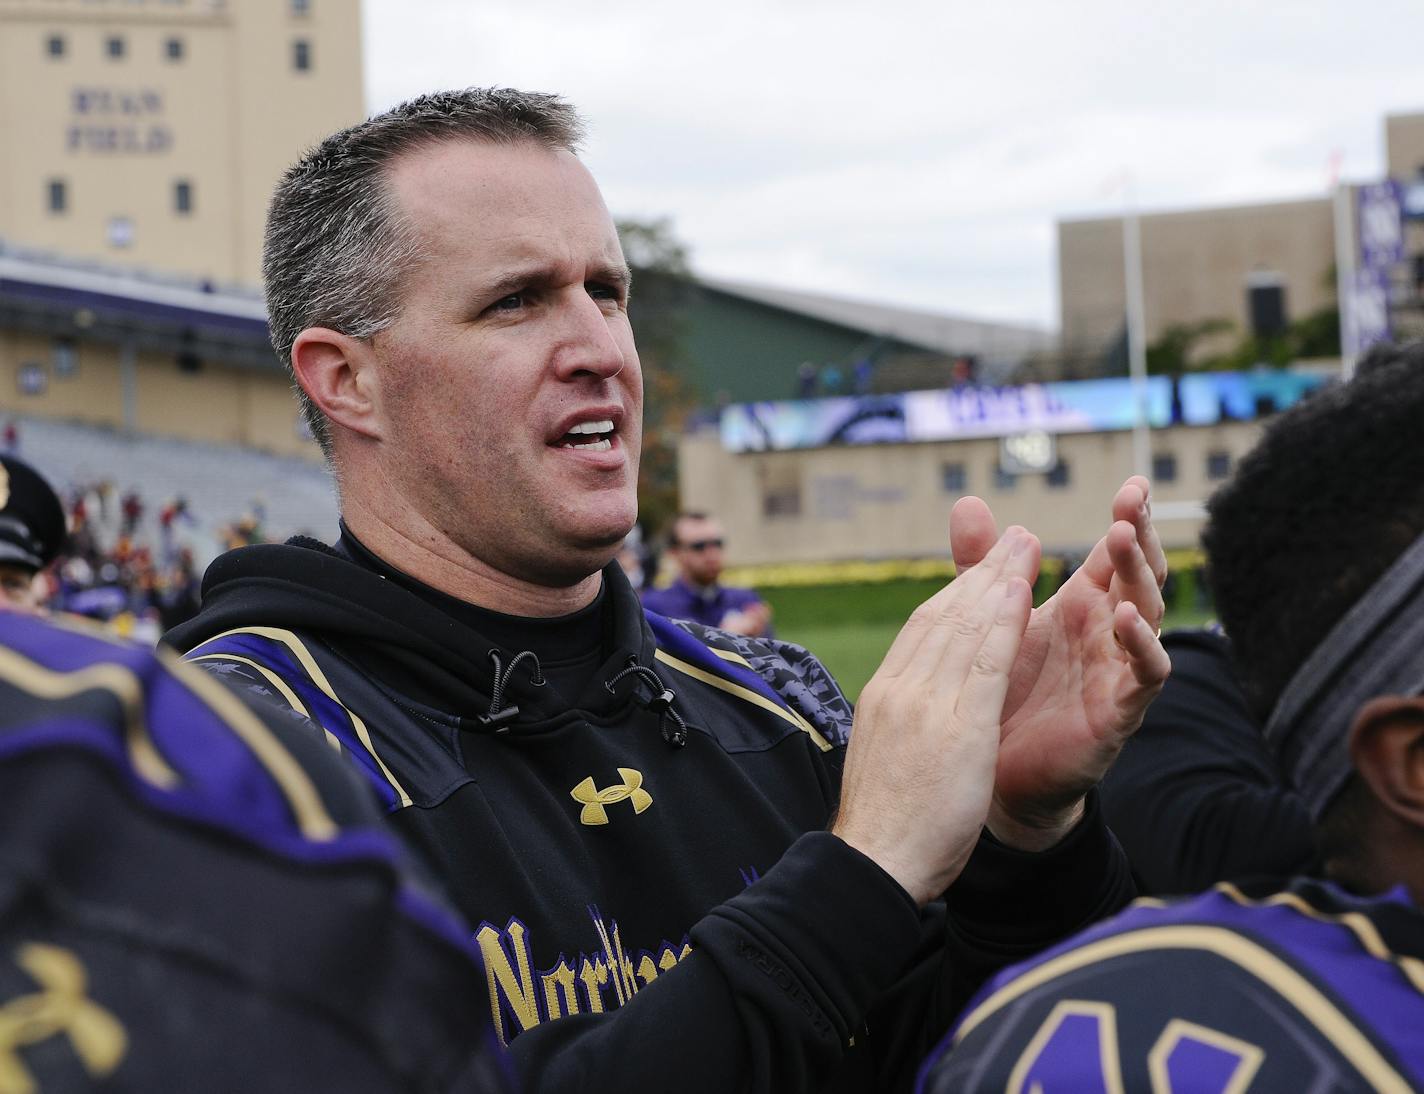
<point x="647" y="862"/>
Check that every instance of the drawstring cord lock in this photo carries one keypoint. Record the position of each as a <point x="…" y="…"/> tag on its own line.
<point x="671" y="724"/>
<point x="500" y="717"/>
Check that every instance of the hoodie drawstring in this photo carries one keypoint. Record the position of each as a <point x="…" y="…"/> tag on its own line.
<point x="672" y="725"/>
<point x="499" y="717"/>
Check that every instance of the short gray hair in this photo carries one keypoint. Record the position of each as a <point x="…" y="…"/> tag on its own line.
<point x="336" y="248"/>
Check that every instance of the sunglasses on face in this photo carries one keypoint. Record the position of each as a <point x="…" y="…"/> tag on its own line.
<point x="702" y="544"/>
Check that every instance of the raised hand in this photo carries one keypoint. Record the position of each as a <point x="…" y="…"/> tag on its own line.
<point x="919" y="772"/>
<point x="1089" y="664"/>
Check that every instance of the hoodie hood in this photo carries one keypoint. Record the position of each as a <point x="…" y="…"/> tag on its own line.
<point x="306" y="586"/>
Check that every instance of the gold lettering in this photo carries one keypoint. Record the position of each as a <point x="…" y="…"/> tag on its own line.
<point x="504" y="983"/>
<point x="625" y="966"/>
<point x="560" y="998"/>
<point x="594" y="974"/>
<point x="667" y="958"/>
<point x="647" y="969"/>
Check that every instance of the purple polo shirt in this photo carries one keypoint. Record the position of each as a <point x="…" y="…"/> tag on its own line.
<point x="706" y="606"/>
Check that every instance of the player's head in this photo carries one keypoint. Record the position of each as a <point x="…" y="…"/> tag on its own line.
<point x="695" y="543"/>
<point x="1316" y="554"/>
<point x="449" y="290"/>
<point x="31" y="532"/>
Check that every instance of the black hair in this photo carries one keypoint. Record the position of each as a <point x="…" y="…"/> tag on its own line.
<point x="1315" y="513"/>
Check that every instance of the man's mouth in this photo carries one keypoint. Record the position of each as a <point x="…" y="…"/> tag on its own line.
<point x="588" y="436"/>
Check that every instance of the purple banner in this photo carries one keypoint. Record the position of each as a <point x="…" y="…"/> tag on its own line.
<point x="1381" y="224"/>
<point x="1369" y="304"/>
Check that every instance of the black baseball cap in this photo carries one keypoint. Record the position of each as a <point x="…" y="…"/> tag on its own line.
<point x="31" y="518"/>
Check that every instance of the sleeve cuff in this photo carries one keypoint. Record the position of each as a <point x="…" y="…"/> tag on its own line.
<point x="1025" y="899"/>
<point x="826" y="925"/>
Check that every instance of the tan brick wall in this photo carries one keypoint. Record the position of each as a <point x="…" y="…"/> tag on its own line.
<point x="1195" y="267"/>
<point x="888" y="501"/>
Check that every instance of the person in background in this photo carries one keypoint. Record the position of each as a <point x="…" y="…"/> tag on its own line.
<point x="31" y="533"/>
<point x="695" y="545"/>
<point x="1196" y="797"/>
<point x="1316" y="552"/>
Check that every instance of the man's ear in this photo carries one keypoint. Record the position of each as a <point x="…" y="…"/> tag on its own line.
<point x="338" y="373"/>
<point x="1387" y="748"/>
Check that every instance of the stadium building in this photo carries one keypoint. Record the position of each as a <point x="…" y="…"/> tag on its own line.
<point x="149" y="133"/>
<point x="1249" y="269"/>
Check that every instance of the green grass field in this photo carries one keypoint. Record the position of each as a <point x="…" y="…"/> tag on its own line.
<point x="849" y="627"/>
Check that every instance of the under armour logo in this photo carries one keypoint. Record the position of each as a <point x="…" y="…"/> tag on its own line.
<point x="61" y="1006"/>
<point x="595" y="800"/>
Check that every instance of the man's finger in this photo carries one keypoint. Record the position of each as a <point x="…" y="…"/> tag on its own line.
<point x="930" y="616"/>
<point x="960" y="630"/>
<point x="1142" y="645"/>
<point x="1133" y="579"/>
<point x="985" y="684"/>
<point x="1133" y="503"/>
<point x="972" y="532"/>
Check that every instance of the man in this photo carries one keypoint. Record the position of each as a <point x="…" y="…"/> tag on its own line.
<point x="31" y="533"/>
<point x="633" y="812"/>
<point x="194" y="897"/>
<point x="695" y="544"/>
<point x="1317" y="560"/>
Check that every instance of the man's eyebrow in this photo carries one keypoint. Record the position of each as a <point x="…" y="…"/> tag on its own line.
<point x="618" y="275"/>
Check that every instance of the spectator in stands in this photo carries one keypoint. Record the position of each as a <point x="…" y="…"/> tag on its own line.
<point x="1317" y="559"/>
<point x="31" y="533"/>
<point x="695" y="544"/>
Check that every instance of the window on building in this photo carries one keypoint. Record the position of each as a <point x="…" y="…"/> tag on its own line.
<point x="64" y="358"/>
<point x="300" y="8"/>
<point x="301" y="55"/>
<point x="54" y="45"/>
<point x="1058" y="477"/>
<point x="183" y="196"/>
<point x="1164" y="467"/>
<point x="1266" y="304"/>
<point x="954" y="477"/>
<point x="173" y="49"/>
<point x="58" y="196"/>
<point x="1218" y="465"/>
<point x="783" y="500"/>
<point x="1004" y="481"/>
<point x="114" y="47"/>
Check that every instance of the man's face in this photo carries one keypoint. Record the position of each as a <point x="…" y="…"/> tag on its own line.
<point x="699" y="550"/>
<point x="510" y="392"/>
<point x="19" y="591"/>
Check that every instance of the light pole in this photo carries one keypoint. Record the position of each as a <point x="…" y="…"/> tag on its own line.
<point x="1136" y="334"/>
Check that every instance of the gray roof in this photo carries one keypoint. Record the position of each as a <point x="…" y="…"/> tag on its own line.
<point x="950" y="334"/>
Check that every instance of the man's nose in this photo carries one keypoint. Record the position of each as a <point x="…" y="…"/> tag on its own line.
<point x="587" y="344"/>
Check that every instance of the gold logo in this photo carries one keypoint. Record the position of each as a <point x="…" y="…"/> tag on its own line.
<point x="595" y="801"/>
<point x="61" y="1006"/>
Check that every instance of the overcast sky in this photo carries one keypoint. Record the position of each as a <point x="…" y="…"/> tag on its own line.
<point x="920" y="153"/>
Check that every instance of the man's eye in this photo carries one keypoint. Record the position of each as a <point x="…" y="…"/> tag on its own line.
<point x="603" y="292"/>
<point x="512" y="302"/>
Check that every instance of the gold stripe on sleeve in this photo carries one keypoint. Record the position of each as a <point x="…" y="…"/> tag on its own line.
<point x="745" y="694"/>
